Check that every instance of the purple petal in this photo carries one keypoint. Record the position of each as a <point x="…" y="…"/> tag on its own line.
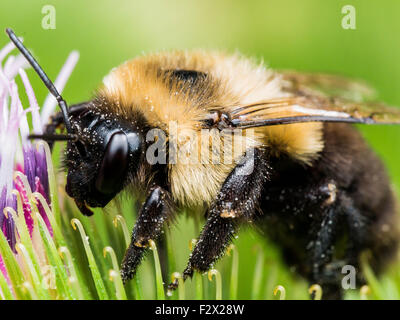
<point x="25" y="204"/>
<point x="30" y="165"/>
<point x="39" y="188"/>
<point x="41" y="172"/>
<point x="7" y="225"/>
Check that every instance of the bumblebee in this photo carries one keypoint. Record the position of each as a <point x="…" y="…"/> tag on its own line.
<point x="305" y="176"/>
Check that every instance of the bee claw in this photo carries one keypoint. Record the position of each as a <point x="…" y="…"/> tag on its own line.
<point x="173" y="285"/>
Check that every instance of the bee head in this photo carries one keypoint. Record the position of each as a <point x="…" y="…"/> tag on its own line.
<point x="99" y="163"/>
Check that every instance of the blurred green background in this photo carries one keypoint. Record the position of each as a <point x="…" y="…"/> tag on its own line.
<point x="287" y="34"/>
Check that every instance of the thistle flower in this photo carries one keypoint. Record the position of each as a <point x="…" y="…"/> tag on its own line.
<point x="23" y="165"/>
<point x="9" y="124"/>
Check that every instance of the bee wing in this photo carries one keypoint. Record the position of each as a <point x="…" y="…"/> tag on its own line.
<point x="317" y="98"/>
<point x="328" y="85"/>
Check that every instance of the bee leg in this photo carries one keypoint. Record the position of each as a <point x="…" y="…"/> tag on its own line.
<point x="321" y="254"/>
<point x="235" y="204"/>
<point x="358" y="227"/>
<point x="163" y="254"/>
<point x="326" y="272"/>
<point x="154" y="212"/>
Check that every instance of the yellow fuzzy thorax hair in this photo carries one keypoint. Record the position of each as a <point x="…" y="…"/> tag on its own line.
<point x="142" y="85"/>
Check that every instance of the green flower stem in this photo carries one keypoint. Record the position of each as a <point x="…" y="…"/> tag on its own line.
<point x="61" y="278"/>
<point x="159" y="279"/>
<point x="271" y="280"/>
<point x="234" y="272"/>
<point x="365" y="291"/>
<point x="318" y="291"/>
<point x="125" y="231"/>
<point x="28" y="287"/>
<point x="5" y="289"/>
<point x="115" y="275"/>
<point x="58" y="237"/>
<point x="111" y="252"/>
<point x="199" y="285"/>
<point x="73" y="278"/>
<point x="78" y="254"/>
<point x="258" y="275"/>
<point x="136" y="282"/>
<point x="38" y="284"/>
<point x="13" y="269"/>
<point x="170" y="251"/>
<point x="376" y="289"/>
<point x="218" y="283"/>
<point x="98" y="281"/>
<point x="281" y="290"/>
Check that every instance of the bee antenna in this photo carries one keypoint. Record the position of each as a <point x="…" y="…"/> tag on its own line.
<point x="53" y="137"/>
<point x="46" y="80"/>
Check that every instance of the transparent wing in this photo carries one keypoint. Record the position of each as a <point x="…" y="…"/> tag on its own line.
<point x="327" y="85"/>
<point x="320" y="98"/>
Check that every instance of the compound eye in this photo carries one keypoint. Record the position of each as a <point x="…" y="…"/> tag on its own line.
<point x="114" y="165"/>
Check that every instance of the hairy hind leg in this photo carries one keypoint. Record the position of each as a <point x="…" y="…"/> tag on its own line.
<point x="326" y="270"/>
